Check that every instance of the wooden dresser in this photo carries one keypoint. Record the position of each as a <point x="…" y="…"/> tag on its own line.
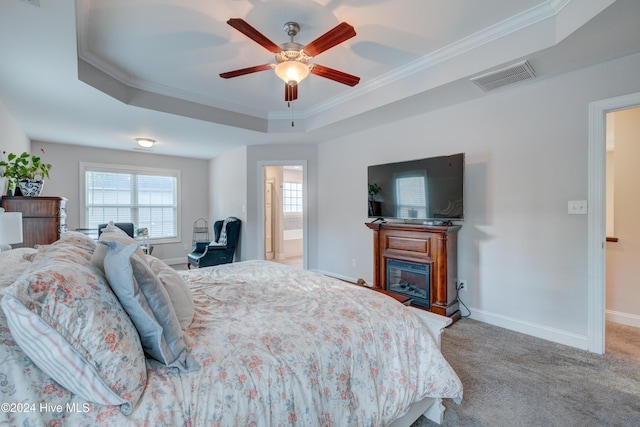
<point x="43" y="218"/>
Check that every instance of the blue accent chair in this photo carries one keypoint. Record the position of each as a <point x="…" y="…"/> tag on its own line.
<point x="205" y="254"/>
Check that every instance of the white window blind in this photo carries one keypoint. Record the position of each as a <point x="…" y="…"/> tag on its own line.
<point x="147" y="198"/>
<point x="411" y="196"/>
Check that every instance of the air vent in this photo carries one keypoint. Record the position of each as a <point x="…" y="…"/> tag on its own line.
<point x="505" y="76"/>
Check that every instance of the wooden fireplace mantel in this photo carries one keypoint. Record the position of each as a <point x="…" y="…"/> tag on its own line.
<point x="434" y="245"/>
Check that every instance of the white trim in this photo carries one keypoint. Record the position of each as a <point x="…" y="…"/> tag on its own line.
<point x="540" y="331"/>
<point x="260" y="210"/>
<point x="504" y="28"/>
<point x="623" y="318"/>
<point x="134" y="170"/>
<point x="596" y="251"/>
<point x="550" y="334"/>
<point x="500" y="30"/>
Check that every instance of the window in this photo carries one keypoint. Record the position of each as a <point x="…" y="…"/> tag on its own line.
<point x="147" y="197"/>
<point x="411" y="195"/>
<point x="292" y="197"/>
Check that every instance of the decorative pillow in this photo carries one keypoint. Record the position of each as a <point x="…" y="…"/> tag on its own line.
<point x="82" y="243"/>
<point x="111" y="233"/>
<point x="178" y="290"/>
<point x="13" y="263"/>
<point x="147" y="302"/>
<point x="64" y="316"/>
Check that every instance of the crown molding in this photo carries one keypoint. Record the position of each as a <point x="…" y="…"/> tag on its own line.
<point x="511" y="25"/>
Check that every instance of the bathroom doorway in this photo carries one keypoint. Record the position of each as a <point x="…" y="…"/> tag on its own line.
<point x="284" y="218"/>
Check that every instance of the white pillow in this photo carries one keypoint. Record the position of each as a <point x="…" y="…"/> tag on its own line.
<point x="178" y="290"/>
<point x="111" y="233"/>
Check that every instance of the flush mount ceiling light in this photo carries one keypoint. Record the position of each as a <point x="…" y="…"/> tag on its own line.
<point x="293" y="58"/>
<point x="145" y="142"/>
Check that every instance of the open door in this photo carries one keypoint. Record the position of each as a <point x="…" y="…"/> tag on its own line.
<point x="284" y="219"/>
<point x="269" y="219"/>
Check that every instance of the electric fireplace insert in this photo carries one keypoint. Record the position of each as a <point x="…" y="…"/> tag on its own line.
<point x="410" y="279"/>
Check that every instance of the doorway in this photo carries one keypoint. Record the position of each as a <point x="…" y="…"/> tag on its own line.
<point x="596" y="258"/>
<point x="623" y="229"/>
<point x="284" y="213"/>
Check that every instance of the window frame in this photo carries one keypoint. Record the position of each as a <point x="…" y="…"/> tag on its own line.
<point x="133" y="170"/>
<point x="299" y="199"/>
<point x="397" y="178"/>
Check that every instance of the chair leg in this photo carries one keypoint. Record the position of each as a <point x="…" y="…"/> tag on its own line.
<point x="188" y="266"/>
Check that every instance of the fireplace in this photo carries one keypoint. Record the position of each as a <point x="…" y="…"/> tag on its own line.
<point x="410" y="279"/>
<point x="418" y="261"/>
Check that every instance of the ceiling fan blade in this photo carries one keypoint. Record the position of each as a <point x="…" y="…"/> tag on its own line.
<point x="338" y="76"/>
<point x="255" y="35"/>
<point x="243" y="71"/>
<point x="290" y="92"/>
<point x="337" y="35"/>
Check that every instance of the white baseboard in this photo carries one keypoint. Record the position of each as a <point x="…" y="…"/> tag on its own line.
<point x="550" y="334"/>
<point x="623" y="318"/>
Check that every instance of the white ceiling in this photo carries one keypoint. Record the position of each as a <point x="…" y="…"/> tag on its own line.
<point x="100" y="73"/>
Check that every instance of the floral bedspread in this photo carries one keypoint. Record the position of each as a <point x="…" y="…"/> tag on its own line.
<point x="278" y="346"/>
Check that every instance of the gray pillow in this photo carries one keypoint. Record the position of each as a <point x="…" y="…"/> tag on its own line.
<point x="146" y="301"/>
<point x="177" y="288"/>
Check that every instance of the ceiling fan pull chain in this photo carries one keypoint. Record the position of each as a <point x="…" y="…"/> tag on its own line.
<point x="292" y="123"/>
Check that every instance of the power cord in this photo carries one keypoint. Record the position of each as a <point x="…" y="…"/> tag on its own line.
<point x="461" y="303"/>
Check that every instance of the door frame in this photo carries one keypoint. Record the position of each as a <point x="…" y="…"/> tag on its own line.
<point x="596" y="236"/>
<point x="305" y="214"/>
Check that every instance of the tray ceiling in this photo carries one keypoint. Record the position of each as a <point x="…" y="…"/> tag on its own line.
<point x="155" y="65"/>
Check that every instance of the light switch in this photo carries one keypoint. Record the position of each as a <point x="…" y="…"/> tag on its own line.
<point x="578" y="207"/>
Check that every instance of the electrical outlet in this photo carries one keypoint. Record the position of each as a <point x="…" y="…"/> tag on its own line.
<point x="462" y="285"/>
<point x="354" y="263"/>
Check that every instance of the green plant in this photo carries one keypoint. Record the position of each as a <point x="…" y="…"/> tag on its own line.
<point x="374" y="189"/>
<point x="24" y="166"/>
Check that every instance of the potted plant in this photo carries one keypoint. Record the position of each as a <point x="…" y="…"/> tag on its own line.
<point x="26" y="170"/>
<point x="374" y="204"/>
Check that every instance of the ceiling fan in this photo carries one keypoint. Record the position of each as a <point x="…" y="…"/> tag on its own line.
<point x="293" y="58"/>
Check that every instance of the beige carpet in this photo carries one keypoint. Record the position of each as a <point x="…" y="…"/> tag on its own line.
<point x="513" y="379"/>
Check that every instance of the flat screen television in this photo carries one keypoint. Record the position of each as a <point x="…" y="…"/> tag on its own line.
<point x="427" y="190"/>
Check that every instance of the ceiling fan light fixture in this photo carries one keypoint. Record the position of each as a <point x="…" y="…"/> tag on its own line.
<point x="292" y="72"/>
<point x="145" y="142"/>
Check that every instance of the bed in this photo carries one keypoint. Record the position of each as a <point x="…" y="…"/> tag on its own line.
<point x="258" y="344"/>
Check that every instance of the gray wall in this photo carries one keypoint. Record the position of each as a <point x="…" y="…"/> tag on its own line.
<point x="282" y="152"/>
<point x="228" y="181"/>
<point x="13" y="139"/>
<point x="524" y="257"/>
<point x="65" y="182"/>
<point x="235" y="185"/>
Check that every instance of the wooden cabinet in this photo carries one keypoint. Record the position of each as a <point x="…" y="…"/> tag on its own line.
<point x="43" y="218"/>
<point x="420" y="245"/>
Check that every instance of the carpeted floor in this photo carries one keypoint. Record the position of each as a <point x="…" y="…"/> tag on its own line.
<point x="512" y="379"/>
